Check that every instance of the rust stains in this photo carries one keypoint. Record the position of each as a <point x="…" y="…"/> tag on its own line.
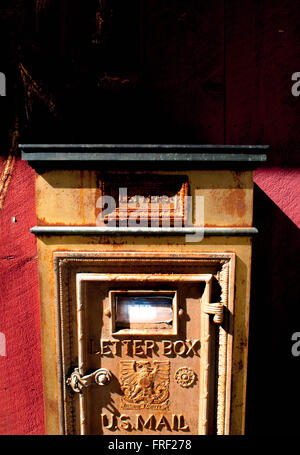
<point x="235" y="202"/>
<point x="41" y="221"/>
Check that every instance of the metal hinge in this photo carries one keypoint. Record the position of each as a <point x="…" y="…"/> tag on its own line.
<point x="216" y="309"/>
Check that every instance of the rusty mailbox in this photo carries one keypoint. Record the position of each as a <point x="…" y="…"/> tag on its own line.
<point x="144" y="278"/>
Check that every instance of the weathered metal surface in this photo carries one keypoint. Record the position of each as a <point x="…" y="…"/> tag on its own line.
<point x="89" y="230"/>
<point x="160" y="196"/>
<point x="144" y="152"/>
<point x="154" y="251"/>
<point x="69" y="197"/>
<point x="119" y="258"/>
<point x="189" y="348"/>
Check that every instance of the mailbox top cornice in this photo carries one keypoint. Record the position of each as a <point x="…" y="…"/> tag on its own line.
<point x="197" y="155"/>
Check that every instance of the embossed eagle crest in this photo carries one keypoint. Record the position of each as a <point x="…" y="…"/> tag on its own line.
<point x="145" y="384"/>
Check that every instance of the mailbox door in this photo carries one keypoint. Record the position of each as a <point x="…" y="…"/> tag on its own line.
<point x="143" y="342"/>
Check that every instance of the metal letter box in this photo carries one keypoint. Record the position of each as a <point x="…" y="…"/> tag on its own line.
<point x="144" y="275"/>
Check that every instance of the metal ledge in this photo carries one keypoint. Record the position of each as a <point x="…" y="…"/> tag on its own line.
<point x="144" y="152"/>
<point x="90" y="230"/>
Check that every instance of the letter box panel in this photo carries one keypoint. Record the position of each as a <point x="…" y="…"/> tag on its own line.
<point x="140" y="343"/>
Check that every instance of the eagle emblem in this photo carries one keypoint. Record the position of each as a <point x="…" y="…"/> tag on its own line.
<point x="145" y="384"/>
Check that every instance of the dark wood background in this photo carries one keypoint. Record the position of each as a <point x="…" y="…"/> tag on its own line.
<point x="169" y="71"/>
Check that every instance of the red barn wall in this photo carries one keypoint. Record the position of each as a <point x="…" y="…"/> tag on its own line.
<point x="214" y="72"/>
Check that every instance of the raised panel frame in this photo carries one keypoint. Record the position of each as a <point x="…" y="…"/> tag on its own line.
<point x="68" y="264"/>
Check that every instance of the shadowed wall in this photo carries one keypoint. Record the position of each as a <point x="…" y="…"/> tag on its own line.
<point x="171" y="72"/>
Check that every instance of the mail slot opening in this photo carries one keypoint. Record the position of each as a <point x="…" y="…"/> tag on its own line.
<point x="144" y="312"/>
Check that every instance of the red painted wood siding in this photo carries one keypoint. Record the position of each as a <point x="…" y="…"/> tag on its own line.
<point x="214" y="72"/>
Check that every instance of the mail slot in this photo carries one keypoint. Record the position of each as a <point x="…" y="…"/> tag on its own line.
<point x="144" y="311"/>
<point x="144" y="278"/>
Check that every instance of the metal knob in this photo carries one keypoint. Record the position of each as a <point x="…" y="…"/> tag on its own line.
<point x="103" y="377"/>
<point x="180" y="312"/>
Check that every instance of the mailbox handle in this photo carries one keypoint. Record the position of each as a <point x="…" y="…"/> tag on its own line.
<point x="99" y="377"/>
